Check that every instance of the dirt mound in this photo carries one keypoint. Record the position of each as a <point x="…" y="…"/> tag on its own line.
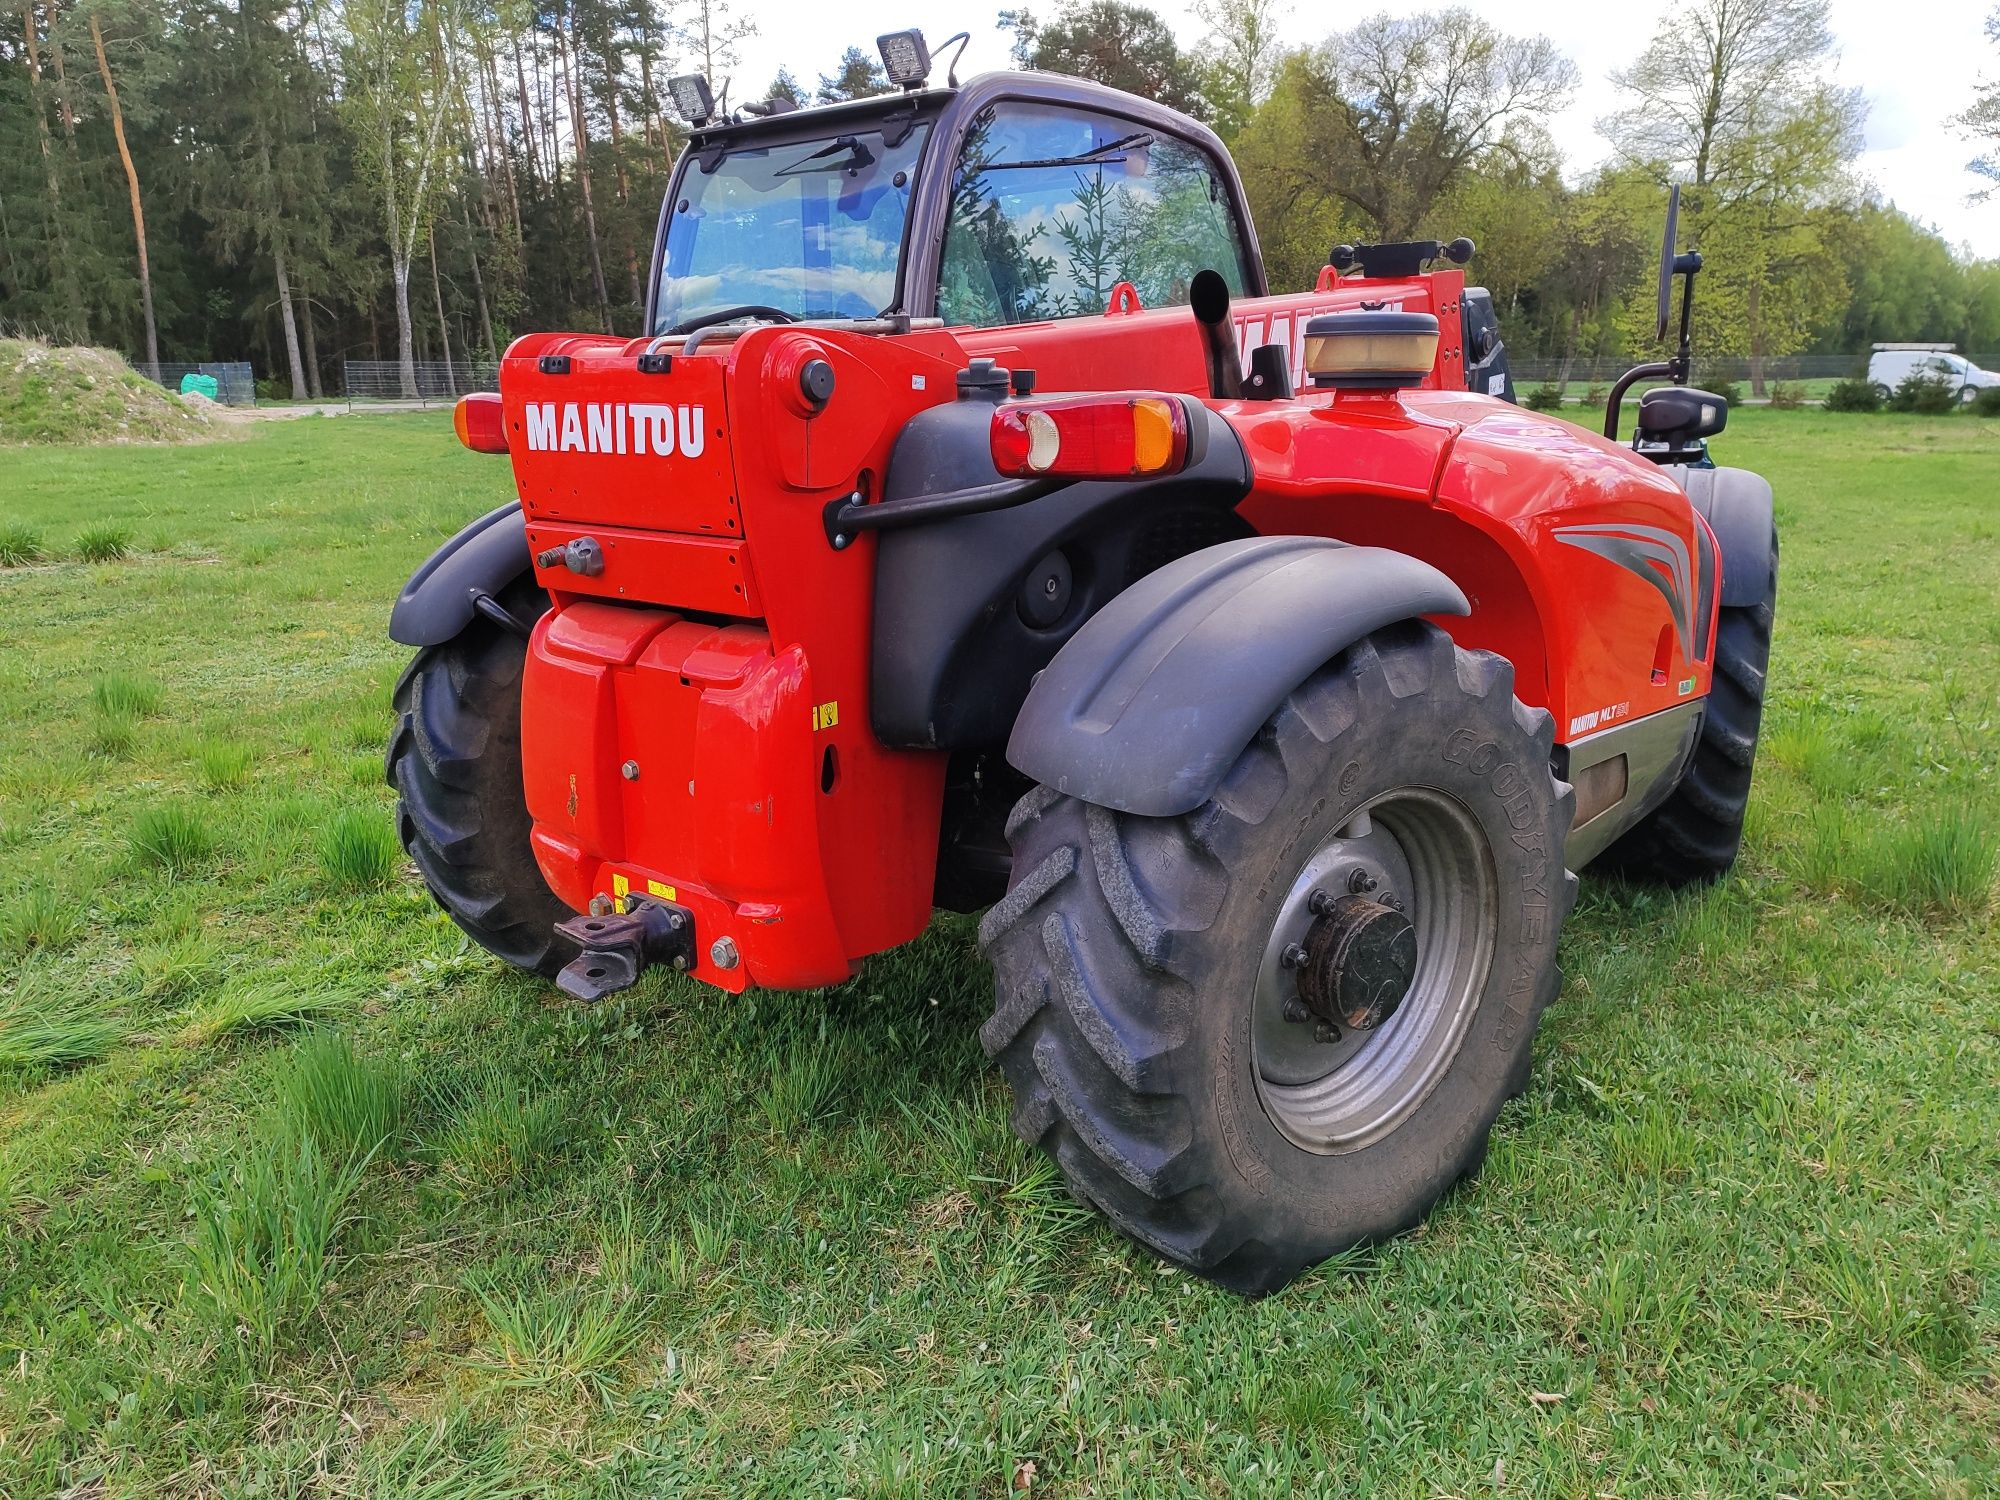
<point x="63" y="394"/>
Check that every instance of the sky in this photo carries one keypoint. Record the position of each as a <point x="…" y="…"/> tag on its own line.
<point x="1915" y="61"/>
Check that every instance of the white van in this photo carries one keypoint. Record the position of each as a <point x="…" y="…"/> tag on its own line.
<point x="1890" y="364"/>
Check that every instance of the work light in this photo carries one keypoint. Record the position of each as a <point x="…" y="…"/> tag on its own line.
<point x="905" y="58"/>
<point x="1371" y="350"/>
<point x="692" y="98"/>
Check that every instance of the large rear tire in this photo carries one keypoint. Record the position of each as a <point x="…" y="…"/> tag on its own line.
<point x="455" y="762"/>
<point x="1693" y="837"/>
<point x="1146" y="1014"/>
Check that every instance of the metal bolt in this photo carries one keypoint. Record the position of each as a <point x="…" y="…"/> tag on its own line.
<point x="1295" y="1010"/>
<point x="1393" y="902"/>
<point x="674" y="920"/>
<point x="680" y="961"/>
<point x="1360" y="882"/>
<point x="722" y="953"/>
<point x="600" y="906"/>
<point x="1319" y="903"/>
<point x="1326" y="1031"/>
<point x="1294" y="956"/>
<point x="630" y="770"/>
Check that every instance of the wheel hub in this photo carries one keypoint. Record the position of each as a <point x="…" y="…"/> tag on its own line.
<point x="1360" y="956"/>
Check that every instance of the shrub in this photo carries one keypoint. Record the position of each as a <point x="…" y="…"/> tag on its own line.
<point x="1927" y="395"/>
<point x="1853" y="395"/>
<point x="99" y="544"/>
<point x="1987" y="402"/>
<point x="171" y="836"/>
<point x="1594" y="396"/>
<point x="1786" y="396"/>
<point x="1544" y="398"/>
<point x="1728" y="390"/>
<point x="19" y="546"/>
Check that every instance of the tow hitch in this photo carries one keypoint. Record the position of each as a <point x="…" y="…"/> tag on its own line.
<point x="618" y="947"/>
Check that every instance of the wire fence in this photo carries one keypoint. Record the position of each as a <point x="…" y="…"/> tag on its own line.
<point x="1790" y="368"/>
<point x="442" y="382"/>
<point x="235" y="382"/>
<point x="436" y="380"/>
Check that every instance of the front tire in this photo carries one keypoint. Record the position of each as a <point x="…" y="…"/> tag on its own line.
<point x="455" y="762"/>
<point x="1139" y="960"/>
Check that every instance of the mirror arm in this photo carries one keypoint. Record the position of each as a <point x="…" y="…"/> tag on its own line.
<point x="1616" y="399"/>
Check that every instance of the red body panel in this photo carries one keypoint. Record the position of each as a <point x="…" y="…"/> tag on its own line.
<point x="724" y="650"/>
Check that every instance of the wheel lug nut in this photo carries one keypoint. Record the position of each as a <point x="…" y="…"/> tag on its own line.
<point x="1294" y="956"/>
<point x="1393" y="902"/>
<point x="1326" y="1031"/>
<point x="1295" y="1010"/>
<point x="1360" y="882"/>
<point x="1319" y="903"/>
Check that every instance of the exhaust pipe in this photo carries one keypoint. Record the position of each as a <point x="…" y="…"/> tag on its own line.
<point x="1208" y="295"/>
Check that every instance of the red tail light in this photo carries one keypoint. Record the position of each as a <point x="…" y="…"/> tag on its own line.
<point x="481" y="425"/>
<point x="1091" y="437"/>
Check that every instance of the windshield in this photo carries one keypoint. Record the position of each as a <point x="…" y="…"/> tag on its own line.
<point x="812" y="228"/>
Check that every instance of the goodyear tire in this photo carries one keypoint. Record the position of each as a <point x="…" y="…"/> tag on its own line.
<point x="455" y="762"/>
<point x="1694" y="835"/>
<point x="1142" y="967"/>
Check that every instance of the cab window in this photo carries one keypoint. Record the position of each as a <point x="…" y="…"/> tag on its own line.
<point x="1052" y="207"/>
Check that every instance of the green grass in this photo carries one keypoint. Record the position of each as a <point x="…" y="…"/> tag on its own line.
<point x="1741" y="1235"/>
<point x="174" y="836"/>
<point x="120" y="695"/>
<point x="19" y="546"/>
<point x="99" y="544"/>
<point x="359" y="849"/>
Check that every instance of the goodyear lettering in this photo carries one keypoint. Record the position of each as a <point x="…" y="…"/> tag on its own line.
<point x="636" y="427"/>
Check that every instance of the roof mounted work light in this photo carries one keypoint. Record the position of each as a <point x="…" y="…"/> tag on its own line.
<point x="1378" y="351"/>
<point x="693" y="99"/>
<point x="905" y="57"/>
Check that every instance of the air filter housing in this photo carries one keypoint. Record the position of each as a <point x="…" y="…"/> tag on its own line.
<point x="1370" y="350"/>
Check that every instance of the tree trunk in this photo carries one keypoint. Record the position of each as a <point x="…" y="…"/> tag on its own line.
<point x="65" y="263"/>
<point x="479" y="287"/>
<point x="406" y="351"/>
<point x="527" y="120"/>
<point x="575" y="91"/>
<point x="444" y="327"/>
<point x="1751" y="312"/>
<point x="312" y="346"/>
<point x="138" y="209"/>
<point x="289" y="322"/>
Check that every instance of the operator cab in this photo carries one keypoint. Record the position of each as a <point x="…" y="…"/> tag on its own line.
<point x="1018" y="197"/>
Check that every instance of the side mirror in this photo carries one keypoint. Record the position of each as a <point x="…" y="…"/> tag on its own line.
<point x="1679" y="415"/>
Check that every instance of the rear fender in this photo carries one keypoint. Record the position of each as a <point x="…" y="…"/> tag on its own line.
<point x="437" y="603"/>
<point x="1737" y="506"/>
<point x="1150" y="703"/>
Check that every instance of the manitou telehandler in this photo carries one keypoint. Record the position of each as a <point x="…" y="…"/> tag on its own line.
<point x="974" y="528"/>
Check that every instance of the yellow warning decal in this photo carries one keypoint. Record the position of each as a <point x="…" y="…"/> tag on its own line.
<point x="620" y="889"/>
<point x="826" y="715"/>
<point x="661" y="889"/>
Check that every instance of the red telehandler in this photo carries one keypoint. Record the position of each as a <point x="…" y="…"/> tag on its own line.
<point x="973" y="527"/>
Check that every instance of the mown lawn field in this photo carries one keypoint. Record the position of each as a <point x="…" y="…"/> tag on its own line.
<point x="300" y="1195"/>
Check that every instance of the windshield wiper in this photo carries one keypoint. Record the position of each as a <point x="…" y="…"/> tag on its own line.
<point x="816" y="161"/>
<point x="1095" y="156"/>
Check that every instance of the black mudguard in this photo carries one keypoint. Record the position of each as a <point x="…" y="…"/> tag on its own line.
<point x="1737" y="505"/>
<point x="437" y="603"/>
<point x="1155" y="697"/>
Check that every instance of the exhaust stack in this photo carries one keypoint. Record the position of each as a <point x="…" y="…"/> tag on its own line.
<point x="1208" y="295"/>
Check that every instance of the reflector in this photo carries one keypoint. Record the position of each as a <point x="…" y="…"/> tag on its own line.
<point x="905" y="57"/>
<point x="692" y="97"/>
<point x="1091" y="437"/>
<point x="480" y="422"/>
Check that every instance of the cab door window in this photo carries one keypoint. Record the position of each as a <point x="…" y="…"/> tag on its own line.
<point x="1052" y="207"/>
